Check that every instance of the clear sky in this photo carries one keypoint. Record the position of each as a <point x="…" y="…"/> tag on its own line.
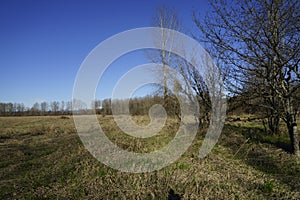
<point x="44" y="42"/>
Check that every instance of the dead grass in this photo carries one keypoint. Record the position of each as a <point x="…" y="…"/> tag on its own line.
<point x="42" y="157"/>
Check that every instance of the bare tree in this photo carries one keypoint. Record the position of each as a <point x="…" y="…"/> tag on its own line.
<point x="106" y="107"/>
<point x="54" y="107"/>
<point x="165" y="18"/>
<point x="96" y="104"/>
<point x="35" y="108"/>
<point x="258" y="42"/>
<point x="193" y="78"/>
<point x="44" y="107"/>
<point x="20" y="108"/>
<point x="62" y="107"/>
<point x="79" y="106"/>
<point x="68" y="107"/>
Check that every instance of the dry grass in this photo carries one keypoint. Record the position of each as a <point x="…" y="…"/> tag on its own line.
<point x="42" y="157"/>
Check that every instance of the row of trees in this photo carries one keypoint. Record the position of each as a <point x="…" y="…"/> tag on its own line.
<point x="137" y="106"/>
<point x="43" y="108"/>
<point x="258" y="47"/>
<point x="255" y="43"/>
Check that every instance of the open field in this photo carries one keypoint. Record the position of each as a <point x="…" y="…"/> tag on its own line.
<point x="43" y="158"/>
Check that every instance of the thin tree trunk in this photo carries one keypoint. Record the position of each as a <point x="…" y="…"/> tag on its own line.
<point x="273" y="124"/>
<point x="165" y="82"/>
<point x="293" y="133"/>
<point x="296" y="143"/>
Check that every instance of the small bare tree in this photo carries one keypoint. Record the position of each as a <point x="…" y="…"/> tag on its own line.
<point x="54" y="107"/>
<point x="44" y="107"/>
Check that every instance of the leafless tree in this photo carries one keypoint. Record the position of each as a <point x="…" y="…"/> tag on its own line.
<point x="68" y="107"/>
<point x="62" y="107"/>
<point x="44" y="107"/>
<point x="190" y="75"/>
<point x="35" y="108"/>
<point x="20" y="107"/>
<point x="258" y="42"/>
<point x="165" y="18"/>
<point x="54" y="106"/>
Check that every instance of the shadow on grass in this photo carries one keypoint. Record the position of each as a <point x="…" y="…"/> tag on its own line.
<point x="258" y="135"/>
<point x="173" y="196"/>
<point x="270" y="154"/>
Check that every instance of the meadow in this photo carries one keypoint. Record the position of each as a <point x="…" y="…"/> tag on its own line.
<point x="42" y="157"/>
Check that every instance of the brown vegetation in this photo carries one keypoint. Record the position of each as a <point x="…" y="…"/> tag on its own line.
<point x="43" y="157"/>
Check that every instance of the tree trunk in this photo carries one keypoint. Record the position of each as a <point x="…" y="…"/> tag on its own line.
<point x="293" y="133"/>
<point x="165" y="83"/>
<point x="273" y="124"/>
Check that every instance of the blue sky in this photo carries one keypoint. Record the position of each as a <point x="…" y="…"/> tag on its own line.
<point x="43" y="42"/>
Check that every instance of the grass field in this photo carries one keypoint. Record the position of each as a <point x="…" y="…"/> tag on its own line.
<point x="43" y="158"/>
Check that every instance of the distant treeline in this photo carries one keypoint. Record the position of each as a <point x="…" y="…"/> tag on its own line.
<point x="43" y="108"/>
<point x="137" y="106"/>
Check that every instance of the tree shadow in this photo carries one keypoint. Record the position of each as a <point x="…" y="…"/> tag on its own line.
<point x="264" y="152"/>
<point x="258" y="135"/>
<point x="173" y="196"/>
